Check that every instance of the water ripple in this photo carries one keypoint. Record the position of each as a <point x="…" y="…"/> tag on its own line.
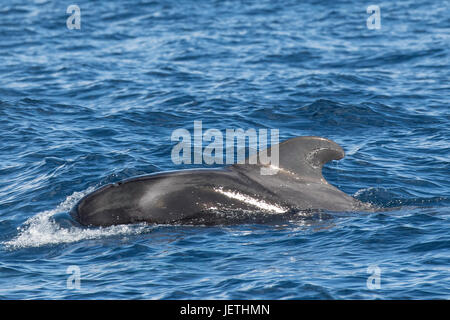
<point x="83" y="108"/>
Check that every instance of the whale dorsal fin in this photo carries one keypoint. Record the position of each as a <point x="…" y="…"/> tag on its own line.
<point x="301" y="156"/>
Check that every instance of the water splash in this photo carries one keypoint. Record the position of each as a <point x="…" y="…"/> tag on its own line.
<point x="42" y="229"/>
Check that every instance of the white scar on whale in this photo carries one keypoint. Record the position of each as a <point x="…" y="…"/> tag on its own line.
<point x="252" y="201"/>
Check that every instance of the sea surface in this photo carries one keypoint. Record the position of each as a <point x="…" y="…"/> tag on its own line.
<point x="81" y="108"/>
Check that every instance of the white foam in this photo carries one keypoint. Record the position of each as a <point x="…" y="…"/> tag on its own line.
<point x="361" y="191"/>
<point x="42" y="229"/>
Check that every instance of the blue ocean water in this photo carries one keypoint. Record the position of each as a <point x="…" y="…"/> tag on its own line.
<point x="85" y="107"/>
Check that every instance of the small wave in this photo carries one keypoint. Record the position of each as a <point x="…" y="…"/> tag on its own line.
<point x="379" y="197"/>
<point x="330" y="112"/>
<point x="42" y="229"/>
<point x="392" y="199"/>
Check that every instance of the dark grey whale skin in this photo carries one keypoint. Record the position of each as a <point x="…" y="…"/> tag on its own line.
<point x="171" y="197"/>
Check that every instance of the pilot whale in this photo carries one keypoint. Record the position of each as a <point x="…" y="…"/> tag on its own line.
<point x="192" y="195"/>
